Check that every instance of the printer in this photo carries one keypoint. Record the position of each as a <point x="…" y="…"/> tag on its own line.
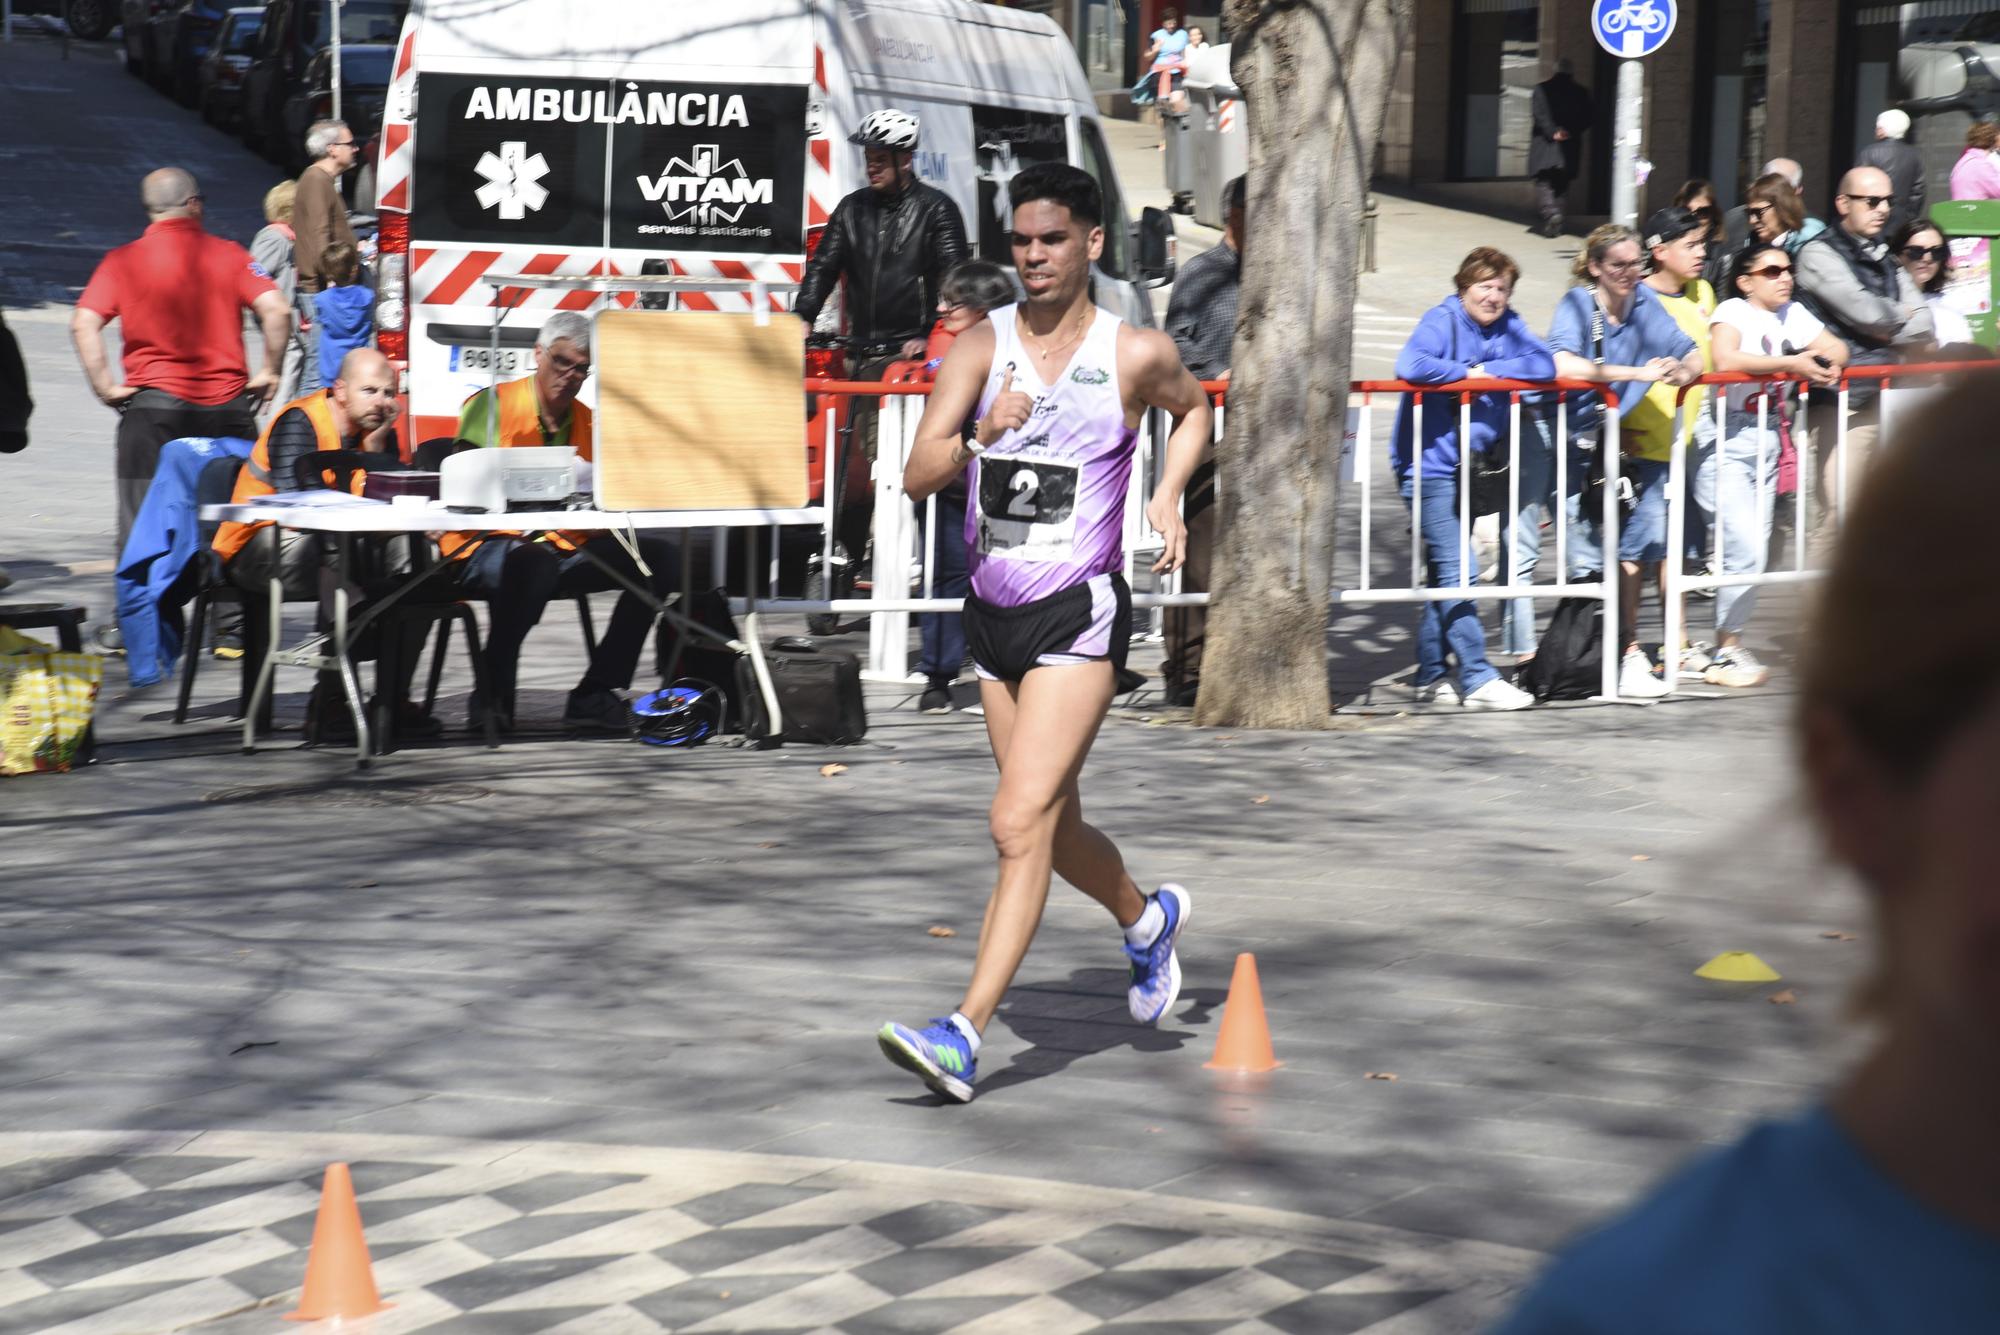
<point x="490" y="480"/>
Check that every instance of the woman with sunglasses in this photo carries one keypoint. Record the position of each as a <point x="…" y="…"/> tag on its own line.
<point x="1776" y="214"/>
<point x="1611" y="329"/>
<point x="1759" y="330"/>
<point x="1925" y="254"/>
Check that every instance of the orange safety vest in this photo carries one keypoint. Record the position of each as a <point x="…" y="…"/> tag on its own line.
<point x="255" y="479"/>
<point x="521" y="425"/>
<point x="521" y="417"/>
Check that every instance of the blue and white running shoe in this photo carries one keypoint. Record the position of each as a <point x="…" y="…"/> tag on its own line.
<point x="1156" y="970"/>
<point x="937" y="1053"/>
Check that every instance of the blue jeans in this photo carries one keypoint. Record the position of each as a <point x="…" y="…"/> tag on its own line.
<point x="944" y="632"/>
<point x="1642" y="535"/>
<point x="1739" y="483"/>
<point x="1447" y="627"/>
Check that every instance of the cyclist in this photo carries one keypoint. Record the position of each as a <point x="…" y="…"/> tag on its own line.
<point x="893" y="241"/>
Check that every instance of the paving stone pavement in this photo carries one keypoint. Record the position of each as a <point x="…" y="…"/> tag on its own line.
<point x="219" y="972"/>
<point x="106" y="1234"/>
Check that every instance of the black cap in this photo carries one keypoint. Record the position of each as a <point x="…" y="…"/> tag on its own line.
<point x="1671" y="224"/>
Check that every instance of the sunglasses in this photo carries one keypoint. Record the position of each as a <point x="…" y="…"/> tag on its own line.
<point x="1623" y="266"/>
<point x="1754" y="211"/>
<point x="1919" y="253"/>
<point x="1872" y="201"/>
<point x="1770" y="271"/>
<point x="569" y="366"/>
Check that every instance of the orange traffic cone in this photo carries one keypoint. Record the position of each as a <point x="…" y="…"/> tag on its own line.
<point x="1244" y="1044"/>
<point x="340" y="1281"/>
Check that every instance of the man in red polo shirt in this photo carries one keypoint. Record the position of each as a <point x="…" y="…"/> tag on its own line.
<point x="178" y="294"/>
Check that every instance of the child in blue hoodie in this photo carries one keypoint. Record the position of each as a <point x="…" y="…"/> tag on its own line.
<point x="1474" y="334"/>
<point x="345" y="308"/>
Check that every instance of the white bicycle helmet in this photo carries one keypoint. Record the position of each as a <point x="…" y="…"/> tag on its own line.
<point x="890" y="128"/>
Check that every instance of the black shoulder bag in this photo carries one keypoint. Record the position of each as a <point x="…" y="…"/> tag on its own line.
<point x="1591" y="506"/>
<point x="1488" y="473"/>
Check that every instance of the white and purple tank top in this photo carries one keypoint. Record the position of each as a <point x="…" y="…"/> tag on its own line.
<point x="1048" y="499"/>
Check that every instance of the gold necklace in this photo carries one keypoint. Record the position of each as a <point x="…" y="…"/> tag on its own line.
<point x="1052" y="351"/>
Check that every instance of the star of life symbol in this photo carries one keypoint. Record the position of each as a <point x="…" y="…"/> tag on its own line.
<point x="513" y="181"/>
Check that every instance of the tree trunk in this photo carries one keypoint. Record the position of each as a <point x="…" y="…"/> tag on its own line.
<point x="1316" y="75"/>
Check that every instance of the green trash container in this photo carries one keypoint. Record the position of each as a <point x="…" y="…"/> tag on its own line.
<point x="1974" y="287"/>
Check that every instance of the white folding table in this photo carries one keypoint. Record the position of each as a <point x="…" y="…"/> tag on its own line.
<point x="346" y="518"/>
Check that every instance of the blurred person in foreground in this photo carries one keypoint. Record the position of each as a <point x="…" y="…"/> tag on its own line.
<point x="1878" y="1209"/>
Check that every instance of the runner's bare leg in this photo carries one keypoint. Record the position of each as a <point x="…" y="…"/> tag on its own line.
<point x="1041" y="731"/>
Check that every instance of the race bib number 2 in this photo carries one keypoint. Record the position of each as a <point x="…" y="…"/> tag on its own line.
<point x="1027" y="508"/>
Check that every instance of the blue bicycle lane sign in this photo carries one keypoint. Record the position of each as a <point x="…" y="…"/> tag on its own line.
<point x="1632" y="28"/>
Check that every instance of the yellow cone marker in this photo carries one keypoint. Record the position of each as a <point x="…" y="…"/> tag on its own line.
<point x="1737" y="966"/>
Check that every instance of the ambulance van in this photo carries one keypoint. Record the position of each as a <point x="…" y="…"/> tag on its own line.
<point x="594" y="136"/>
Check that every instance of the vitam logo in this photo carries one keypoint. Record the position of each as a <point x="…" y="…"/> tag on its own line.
<point x="705" y="190"/>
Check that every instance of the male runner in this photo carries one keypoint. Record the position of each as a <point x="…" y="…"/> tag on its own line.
<point x="1059" y="386"/>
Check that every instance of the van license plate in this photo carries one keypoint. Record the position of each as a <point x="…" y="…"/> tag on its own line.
<point x="507" y="361"/>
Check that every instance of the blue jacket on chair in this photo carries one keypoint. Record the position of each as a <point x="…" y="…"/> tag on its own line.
<point x="165" y="537"/>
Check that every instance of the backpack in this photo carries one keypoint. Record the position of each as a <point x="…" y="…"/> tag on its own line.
<point x="1569" y="662"/>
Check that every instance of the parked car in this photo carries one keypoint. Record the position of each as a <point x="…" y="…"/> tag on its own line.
<point x="219" y="78"/>
<point x="180" y="37"/>
<point x="293" y="32"/>
<point x="364" y="85"/>
<point x="137" y="17"/>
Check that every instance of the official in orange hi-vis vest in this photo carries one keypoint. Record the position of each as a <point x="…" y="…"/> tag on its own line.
<point x="358" y="412"/>
<point x="517" y="577"/>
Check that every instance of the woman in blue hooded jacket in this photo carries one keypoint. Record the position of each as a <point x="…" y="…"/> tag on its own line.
<point x="1470" y="335"/>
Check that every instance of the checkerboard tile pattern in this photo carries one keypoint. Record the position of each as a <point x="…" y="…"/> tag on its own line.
<point x="107" y="1243"/>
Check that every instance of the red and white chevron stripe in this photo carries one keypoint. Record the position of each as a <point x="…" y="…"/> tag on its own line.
<point x="461" y="276"/>
<point x="1226" y="114"/>
<point x="393" y="163"/>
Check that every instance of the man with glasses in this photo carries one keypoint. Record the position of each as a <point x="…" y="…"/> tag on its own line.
<point x="517" y="577"/>
<point x="1847" y="277"/>
<point x="178" y="294"/>
<point x="319" y="217"/>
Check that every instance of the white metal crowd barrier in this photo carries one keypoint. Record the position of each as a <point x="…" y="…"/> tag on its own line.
<point x="904" y="551"/>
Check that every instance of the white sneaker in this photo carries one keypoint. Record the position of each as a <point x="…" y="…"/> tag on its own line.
<point x="1499" y="694"/>
<point x="1695" y="660"/>
<point x="1440" y="692"/>
<point x="1736" y="666"/>
<point x="1636" y="680"/>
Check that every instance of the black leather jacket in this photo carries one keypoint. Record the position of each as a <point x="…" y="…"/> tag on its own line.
<point x="894" y="253"/>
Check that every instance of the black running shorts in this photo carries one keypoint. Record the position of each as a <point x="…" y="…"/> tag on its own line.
<point x="1085" y="623"/>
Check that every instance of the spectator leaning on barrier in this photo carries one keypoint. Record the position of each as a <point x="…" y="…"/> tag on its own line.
<point x="1472" y="334"/>
<point x="1893" y="153"/>
<point x="346" y="309"/>
<point x="1847" y="277"/>
<point x="1877" y="1208"/>
<point x="1201" y="318"/>
<point x="319" y="217"/>
<point x="517" y="579"/>
<point x="969" y="292"/>
<point x="1924" y="251"/>
<point x="178" y="295"/>
<point x="1613" y="330"/>
<point x="272" y="249"/>
<point x="1759" y="330"/>
<point x="1677" y="249"/>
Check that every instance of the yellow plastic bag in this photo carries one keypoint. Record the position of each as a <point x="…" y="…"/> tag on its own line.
<point x="47" y="698"/>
